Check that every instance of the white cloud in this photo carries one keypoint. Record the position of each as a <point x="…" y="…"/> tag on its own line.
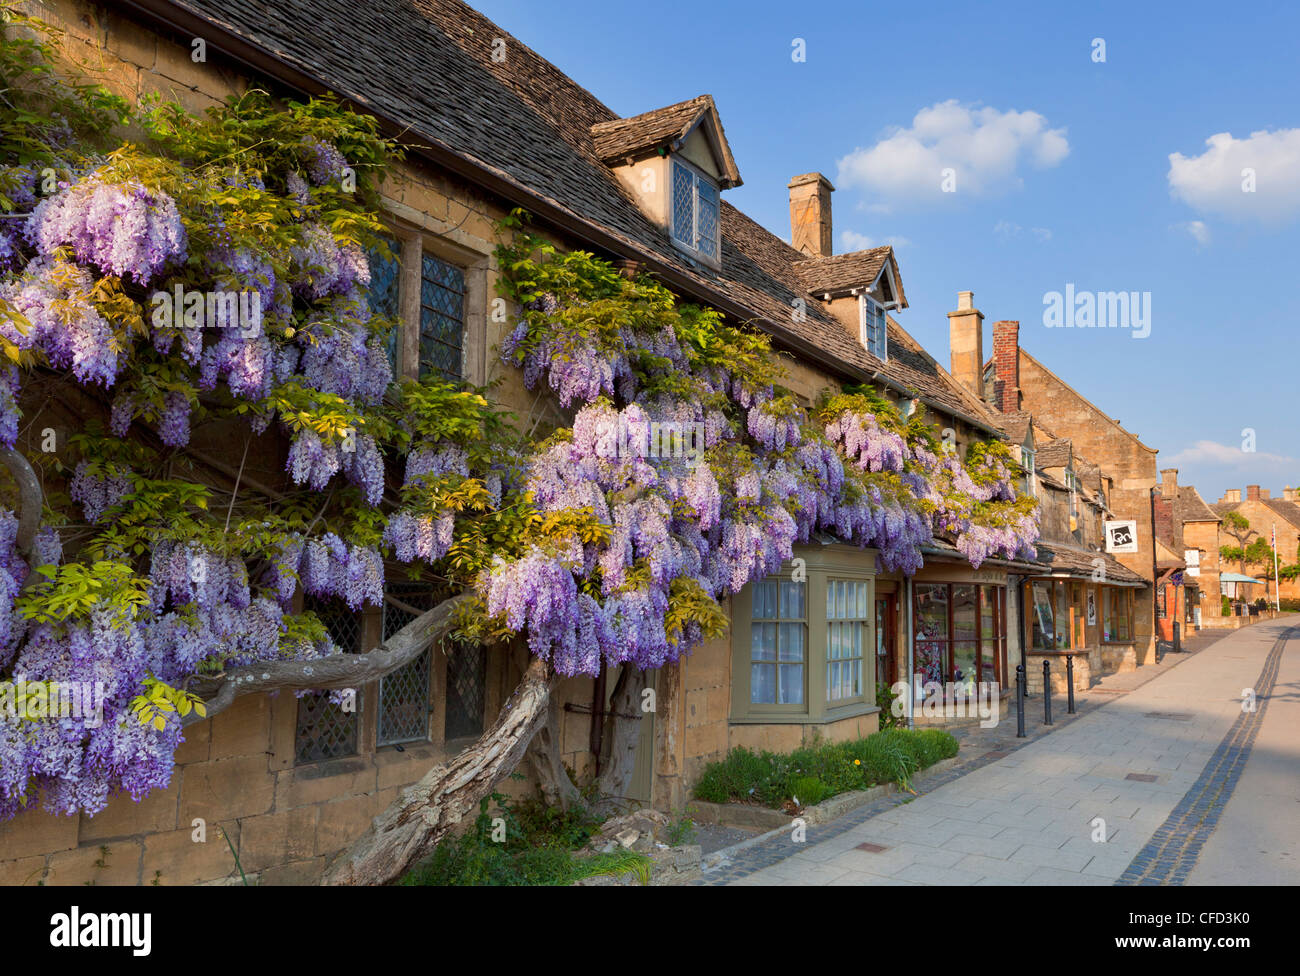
<point x="1006" y="230"/>
<point x="1198" y="231"/>
<point x="1212" y="452"/>
<point x="851" y="240"/>
<point x="1220" y="179"/>
<point x="983" y="146"/>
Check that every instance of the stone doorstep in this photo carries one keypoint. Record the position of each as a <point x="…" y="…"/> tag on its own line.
<point x="744" y="815"/>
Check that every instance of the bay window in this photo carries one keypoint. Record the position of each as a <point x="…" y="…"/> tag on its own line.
<point x="804" y="641"/>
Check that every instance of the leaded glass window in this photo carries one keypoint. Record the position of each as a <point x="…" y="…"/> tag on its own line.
<point x="466" y="689"/>
<point x="384" y="292"/>
<point x="404" y="693"/>
<point x="695" y="211"/>
<point x="326" y="729"/>
<point x="442" y="318"/>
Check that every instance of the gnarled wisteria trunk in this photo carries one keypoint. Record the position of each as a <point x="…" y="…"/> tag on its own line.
<point x="425" y="813"/>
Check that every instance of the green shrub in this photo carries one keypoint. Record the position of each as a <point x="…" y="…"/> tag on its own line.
<point x="809" y="790"/>
<point x="537" y="849"/>
<point x="814" y="773"/>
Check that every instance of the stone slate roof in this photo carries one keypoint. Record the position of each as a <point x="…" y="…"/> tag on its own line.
<point x="1287" y="510"/>
<point x="1055" y="454"/>
<point x="841" y="272"/>
<point x="619" y="139"/>
<point x="1189" y="506"/>
<point x="1078" y="562"/>
<point x="1015" y="425"/>
<point x="910" y="365"/>
<point x="527" y="124"/>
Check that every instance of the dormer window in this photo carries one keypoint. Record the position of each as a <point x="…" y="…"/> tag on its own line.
<point x="695" y="212"/>
<point x="874" y="335"/>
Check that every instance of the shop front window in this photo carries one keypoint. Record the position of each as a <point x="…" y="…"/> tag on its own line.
<point x="1117" y="615"/>
<point x="1057" y="616"/>
<point x="931" y="631"/>
<point x="960" y="632"/>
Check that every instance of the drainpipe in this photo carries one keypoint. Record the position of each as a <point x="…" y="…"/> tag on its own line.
<point x="1155" y="617"/>
<point x="911" y="666"/>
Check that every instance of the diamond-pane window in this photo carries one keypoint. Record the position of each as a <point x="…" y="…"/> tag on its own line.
<point x="383" y="293"/>
<point x="442" y="317"/>
<point x="466" y="689"/>
<point x="695" y="211"/>
<point x="707" y="219"/>
<point x="325" y="730"/>
<point x="404" y="693"/>
<point x="683" y="204"/>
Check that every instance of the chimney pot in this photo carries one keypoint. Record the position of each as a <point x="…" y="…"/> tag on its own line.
<point x="965" y="300"/>
<point x="810" y="215"/>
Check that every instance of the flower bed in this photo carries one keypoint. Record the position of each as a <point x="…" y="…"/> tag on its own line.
<point x="808" y="776"/>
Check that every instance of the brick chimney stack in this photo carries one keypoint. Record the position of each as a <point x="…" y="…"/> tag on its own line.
<point x="1252" y="493"/>
<point x="810" y="215"/>
<point x="966" y="344"/>
<point x="1006" y="364"/>
<point x="1164" y="511"/>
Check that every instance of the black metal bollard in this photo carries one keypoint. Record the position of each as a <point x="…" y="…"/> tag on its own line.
<point x="1069" y="680"/>
<point x="1047" y="692"/>
<point x="1020" y="701"/>
<point x="1178" y="643"/>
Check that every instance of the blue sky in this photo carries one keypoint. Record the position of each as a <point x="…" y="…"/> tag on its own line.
<point x="1062" y="168"/>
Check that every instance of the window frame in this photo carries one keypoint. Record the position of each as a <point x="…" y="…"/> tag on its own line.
<point x="417" y="234"/>
<point x="883" y="352"/>
<point x="692" y="247"/>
